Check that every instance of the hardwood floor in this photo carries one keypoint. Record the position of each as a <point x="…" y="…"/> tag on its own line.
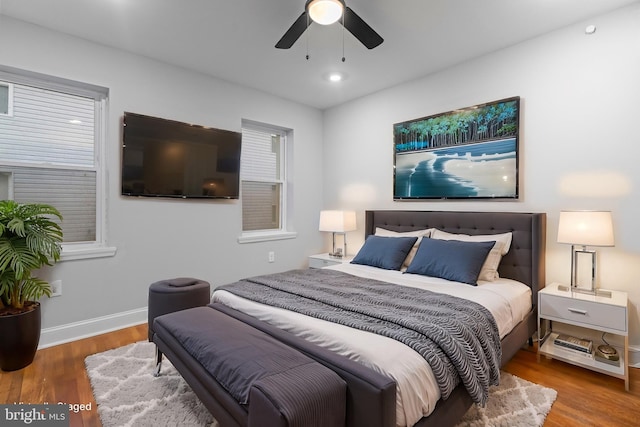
<point x="57" y="374"/>
<point x="585" y="398"/>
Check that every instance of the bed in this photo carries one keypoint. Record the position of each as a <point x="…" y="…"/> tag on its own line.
<point x="521" y="272"/>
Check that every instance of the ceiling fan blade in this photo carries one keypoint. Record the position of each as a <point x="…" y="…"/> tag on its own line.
<point x="361" y="30"/>
<point x="294" y="32"/>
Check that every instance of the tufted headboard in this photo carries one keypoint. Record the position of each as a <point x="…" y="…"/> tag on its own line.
<point x="525" y="261"/>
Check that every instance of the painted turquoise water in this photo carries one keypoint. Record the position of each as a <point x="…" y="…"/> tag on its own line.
<point x="423" y="174"/>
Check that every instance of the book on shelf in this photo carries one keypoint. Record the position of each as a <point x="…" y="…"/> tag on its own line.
<point x="569" y="352"/>
<point x="573" y="343"/>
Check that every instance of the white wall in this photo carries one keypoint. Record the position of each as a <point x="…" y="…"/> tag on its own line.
<point x="580" y="111"/>
<point x="159" y="239"/>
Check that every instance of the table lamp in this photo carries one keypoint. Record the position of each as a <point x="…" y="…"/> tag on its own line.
<point x="582" y="229"/>
<point x="338" y="222"/>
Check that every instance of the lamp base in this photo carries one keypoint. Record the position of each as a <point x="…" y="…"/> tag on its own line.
<point x="337" y="253"/>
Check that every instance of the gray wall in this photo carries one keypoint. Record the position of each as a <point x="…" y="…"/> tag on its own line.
<point x="157" y="239"/>
<point x="579" y="121"/>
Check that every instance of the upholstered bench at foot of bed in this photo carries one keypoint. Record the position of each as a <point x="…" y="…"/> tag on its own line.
<point x="254" y="380"/>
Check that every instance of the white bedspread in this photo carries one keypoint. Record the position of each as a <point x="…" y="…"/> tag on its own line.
<point x="417" y="392"/>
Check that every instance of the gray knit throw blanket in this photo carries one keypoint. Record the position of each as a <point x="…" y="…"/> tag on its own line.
<point x="457" y="337"/>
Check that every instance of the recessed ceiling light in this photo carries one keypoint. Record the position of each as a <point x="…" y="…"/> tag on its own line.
<point x="335" y="77"/>
<point x="590" y="29"/>
<point x="75" y="122"/>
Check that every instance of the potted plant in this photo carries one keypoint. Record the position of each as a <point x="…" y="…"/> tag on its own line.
<point x="29" y="239"/>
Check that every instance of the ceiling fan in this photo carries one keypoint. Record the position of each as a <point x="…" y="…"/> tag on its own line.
<point x="327" y="12"/>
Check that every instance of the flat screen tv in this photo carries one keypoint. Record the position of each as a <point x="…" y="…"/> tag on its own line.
<point x="166" y="158"/>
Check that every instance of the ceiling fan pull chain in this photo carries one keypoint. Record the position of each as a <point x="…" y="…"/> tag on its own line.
<point x="306" y="36"/>
<point x="343" y="59"/>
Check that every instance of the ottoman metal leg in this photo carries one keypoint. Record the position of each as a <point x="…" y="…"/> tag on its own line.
<point x="158" y="362"/>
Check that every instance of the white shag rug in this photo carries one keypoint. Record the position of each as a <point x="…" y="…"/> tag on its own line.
<point x="128" y="395"/>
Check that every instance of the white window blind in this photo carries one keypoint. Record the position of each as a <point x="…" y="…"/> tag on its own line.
<point x="48" y="127"/>
<point x="48" y="147"/>
<point x="263" y="178"/>
<point x="72" y="192"/>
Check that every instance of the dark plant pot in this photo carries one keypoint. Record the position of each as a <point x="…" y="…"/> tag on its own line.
<point x="19" y="338"/>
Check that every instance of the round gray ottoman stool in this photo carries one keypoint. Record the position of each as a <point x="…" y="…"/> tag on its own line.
<point x="167" y="296"/>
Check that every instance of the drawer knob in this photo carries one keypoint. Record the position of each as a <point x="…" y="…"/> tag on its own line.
<point x="577" y="311"/>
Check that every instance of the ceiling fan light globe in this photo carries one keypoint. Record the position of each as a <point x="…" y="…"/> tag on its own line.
<point x="325" y="12"/>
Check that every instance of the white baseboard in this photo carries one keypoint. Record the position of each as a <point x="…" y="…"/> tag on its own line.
<point x="91" y="327"/>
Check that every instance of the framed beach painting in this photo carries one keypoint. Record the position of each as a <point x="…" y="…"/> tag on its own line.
<point x="470" y="153"/>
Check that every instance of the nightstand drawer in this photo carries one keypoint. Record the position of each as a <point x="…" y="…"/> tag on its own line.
<point x="320" y="263"/>
<point x="584" y="312"/>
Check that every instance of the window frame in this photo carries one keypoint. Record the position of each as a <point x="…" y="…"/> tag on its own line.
<point x="284" y="231"/>
<point x="9" y="87"/>
<point x="90" y="249"/>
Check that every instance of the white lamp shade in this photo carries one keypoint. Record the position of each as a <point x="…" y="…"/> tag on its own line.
<point x="586" y="228"/>
<point x="337" y="221"/>
<point x="325" y="12"/>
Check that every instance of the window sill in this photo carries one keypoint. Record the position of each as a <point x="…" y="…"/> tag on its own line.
<point x="266" y="236"/>
<point x="72" y="252"/>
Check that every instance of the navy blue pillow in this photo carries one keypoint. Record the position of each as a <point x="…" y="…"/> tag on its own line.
<point x="384" y="252"/>
<point x="450" y="259"/>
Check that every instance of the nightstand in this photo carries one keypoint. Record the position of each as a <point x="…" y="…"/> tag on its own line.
<point x="324" y="260"/>
<point x="584" y="316"/>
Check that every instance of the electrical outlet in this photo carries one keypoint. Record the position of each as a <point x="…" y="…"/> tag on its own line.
<point x="56" y="288"/>
<point x="272" y="256"/>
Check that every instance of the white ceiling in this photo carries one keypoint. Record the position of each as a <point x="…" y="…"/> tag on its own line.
<point x="234" y="39"/>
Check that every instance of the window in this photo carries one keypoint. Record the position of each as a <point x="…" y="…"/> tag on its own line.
<point x="50" y="151"/>
<point x="6" y="99"/>
<point x="264" y="191"/>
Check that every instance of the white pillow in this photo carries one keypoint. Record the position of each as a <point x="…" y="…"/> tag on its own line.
<point x="489" y="271"/>
<point x="416" y="233"/>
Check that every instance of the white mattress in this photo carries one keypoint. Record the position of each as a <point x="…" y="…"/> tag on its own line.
<point x="417" y="391"/>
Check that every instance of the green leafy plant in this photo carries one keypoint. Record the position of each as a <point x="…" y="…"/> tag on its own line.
<point x="29" y="239"/>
